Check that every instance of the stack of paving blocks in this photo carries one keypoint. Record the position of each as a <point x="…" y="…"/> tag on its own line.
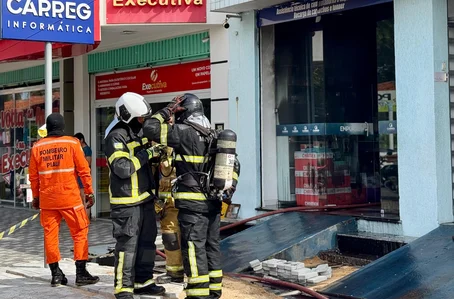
<point x="295" y="272"/>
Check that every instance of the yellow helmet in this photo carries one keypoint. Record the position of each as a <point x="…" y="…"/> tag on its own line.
<point x="42" y="131"/>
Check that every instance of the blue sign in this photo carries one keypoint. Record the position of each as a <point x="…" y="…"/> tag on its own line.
<point x="304" y="9"/>
<point x="338" y="129"/>
<point x="345" y="129"/>
<point x="301" y="129"/>
<point x="387" y="127"/>
<point x="61" y="21"/>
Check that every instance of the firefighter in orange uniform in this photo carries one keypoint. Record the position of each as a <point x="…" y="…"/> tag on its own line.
<point x="55" y="162"/>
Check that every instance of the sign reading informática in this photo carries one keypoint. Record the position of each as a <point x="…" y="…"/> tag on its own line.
<point x="60" y="21"/>
<point x="304" y="9"/>
<point x="155" y="11"/>
<point x="173" y="78"/>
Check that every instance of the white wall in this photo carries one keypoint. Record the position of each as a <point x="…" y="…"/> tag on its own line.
<point x="268" y="129"/>
<point x="219" y="56"/>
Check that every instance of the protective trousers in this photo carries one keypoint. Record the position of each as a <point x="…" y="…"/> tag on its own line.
<point x="171" y="240"/>
<point x="135" y="230"/>
<point x="200" y="246"/>
<point x="77" y="221"/>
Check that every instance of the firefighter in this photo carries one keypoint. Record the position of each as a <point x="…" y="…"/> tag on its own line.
<point x="131" y="198"/>
<point x="199" y="214"/>
<point x="169" y="222"/>
<point x="55" y="161"/>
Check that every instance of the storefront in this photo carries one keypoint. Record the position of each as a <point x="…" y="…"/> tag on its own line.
<point x="158" y="85"/>
<point x="334" y="104"/>
<point x="21" y="114"/>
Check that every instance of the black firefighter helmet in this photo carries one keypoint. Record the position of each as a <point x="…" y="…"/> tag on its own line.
<point x="192" y="106"/>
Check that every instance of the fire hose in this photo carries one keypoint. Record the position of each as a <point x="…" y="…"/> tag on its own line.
<point x="281" y="211"/>
<point x="280" y="283"/>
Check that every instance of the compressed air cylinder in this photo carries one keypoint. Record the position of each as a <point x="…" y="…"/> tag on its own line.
<point x="225" y="160"/>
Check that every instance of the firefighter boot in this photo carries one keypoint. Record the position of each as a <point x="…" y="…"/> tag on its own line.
<point x="82" y="276"/>
<point x="151" y="289"/>
<point x="58" y="277"/>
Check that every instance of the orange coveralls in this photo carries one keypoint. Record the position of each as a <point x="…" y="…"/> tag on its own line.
<point x="54" y="164"/>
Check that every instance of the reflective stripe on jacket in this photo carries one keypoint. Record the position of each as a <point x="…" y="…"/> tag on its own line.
<point x="130" y="177"/>
<point x="55" y="163"/>
<point x="187" y="143"/>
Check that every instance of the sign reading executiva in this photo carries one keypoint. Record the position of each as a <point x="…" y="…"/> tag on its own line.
<point x="59" y="21"/>
<point x="304" y="9"/>
<point x="172" y="78"/>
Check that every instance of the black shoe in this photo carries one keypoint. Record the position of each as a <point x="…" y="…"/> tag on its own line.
<point x="177" y="279"/>
<point x="82" y="276"/>
<point x="58" y="278"/>
<point x="124" y="295"/>
<point x="152" y="289"/>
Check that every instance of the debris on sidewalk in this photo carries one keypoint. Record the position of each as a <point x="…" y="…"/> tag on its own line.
<point x="310" y="273"/>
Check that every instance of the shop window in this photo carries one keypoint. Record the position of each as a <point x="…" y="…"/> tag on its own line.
<point x="21" y="114"/>
<point x="336" y="110"/>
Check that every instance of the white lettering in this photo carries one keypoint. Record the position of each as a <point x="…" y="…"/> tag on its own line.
<point x="50" y="8"/>
<point x="80" y="29"/>
<point x="33" y="25"/>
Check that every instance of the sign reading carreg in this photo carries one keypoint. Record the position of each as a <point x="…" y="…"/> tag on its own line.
<point x="59" y="21"/>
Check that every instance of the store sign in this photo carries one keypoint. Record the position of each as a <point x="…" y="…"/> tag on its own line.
<point x="173" y="78"/>
<point x="49" y="21"/>
<point x="386" y="127"/>
<point x="338" y="129"/>
<point x="304" y="9"/>
<point x="155" y="11"/>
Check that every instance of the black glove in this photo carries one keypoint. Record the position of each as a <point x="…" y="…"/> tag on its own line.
<point x="35" y="203"/>
<point x="228" y="194"/>
<point x="90" y="200"/>
<point x="174" y="105"/>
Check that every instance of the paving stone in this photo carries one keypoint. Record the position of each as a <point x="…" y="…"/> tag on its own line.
<point x="316" y="280"/>
<point x="255" y="263"/>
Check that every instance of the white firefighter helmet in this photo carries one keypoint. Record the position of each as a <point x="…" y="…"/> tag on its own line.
<point x="131" y="105"/>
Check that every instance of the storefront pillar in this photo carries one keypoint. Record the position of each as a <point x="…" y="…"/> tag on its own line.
<point x="425" y="179"/>
<point x="81" y="96"/>
<point x="244" y="108"/>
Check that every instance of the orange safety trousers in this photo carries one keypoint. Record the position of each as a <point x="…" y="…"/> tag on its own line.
<point x="77" y="221"/>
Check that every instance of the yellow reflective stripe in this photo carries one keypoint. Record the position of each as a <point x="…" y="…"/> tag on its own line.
<point x="158" y="117"/>
<point x="144" y="140"/>
<point x="163" y="134"/>
<point x="132" y="145"/>
<point x="127" y="200"/>
<point x="145" y="284"/>
<point x="117" y="155"/>
<point x="215" y="273"/>
<point x="174" y="268"/>
<point x="235" y="176"/>
<point x="198" y="292"/>
<point x="199" y="279"/>
<point x="189" y="195"/>
<point x="192" y="159"/>
<point x="119" y="282"/>
<point x="134" y="185"/>
<point x="136" y="163"/>
<point x="23" y="223"/>
<point x="192" y="260"/>
<point x="215" y="286"/>
<point x="165" y="195"/>
<point x="121" y="290"/>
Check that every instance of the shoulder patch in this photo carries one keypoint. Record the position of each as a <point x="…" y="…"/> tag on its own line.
<point x="118" y="145"/>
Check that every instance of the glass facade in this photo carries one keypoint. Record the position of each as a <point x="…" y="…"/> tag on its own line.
<point x="336" y="109"/>
<point x="104" y="117"/>
<point x="21" y="114"/>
